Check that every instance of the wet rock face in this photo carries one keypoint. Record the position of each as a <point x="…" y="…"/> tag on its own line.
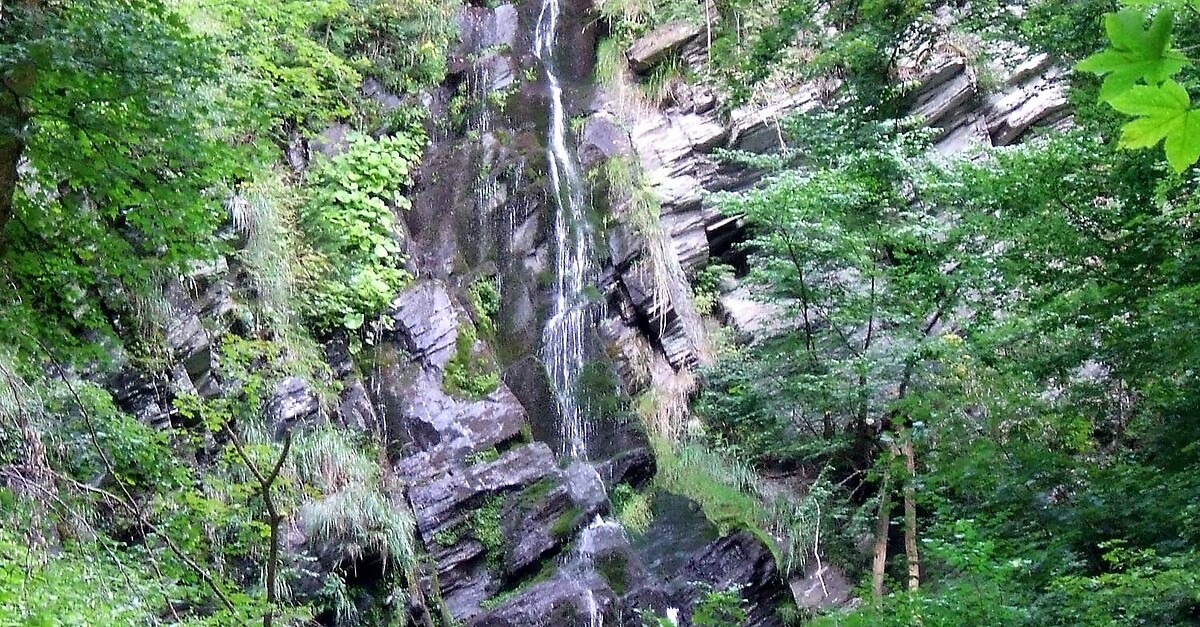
<point x="602" y="139"/>
<point x="427" y="320"/>
<point x="355" y="410"/>
<point x="635" y="467"/>
<point x="188" y="339"/>
<point x="488" y="523"/>
<point x="143" y="396"/>
<point x="563" y="601"/>
<point x="739" y="559"/>
<point x="490" y="507"/>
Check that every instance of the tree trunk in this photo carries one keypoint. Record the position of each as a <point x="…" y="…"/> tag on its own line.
<point x="20" y="24"/>
<point x="879" y="561"/>
<point x="275" y="519"/>
<point x="14" y="87"/>
<point x="910" y="515"/>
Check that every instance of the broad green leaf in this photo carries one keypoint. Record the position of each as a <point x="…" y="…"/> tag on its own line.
<point x="353" y="320"/>
<point x="1137" y="53"/>
<point x="1183" y="144"/>
<point x="1170" y="98"/>
<point x="1163" y="112"/>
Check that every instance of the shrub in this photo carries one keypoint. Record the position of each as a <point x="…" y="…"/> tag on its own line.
<point x="350" y="223"/>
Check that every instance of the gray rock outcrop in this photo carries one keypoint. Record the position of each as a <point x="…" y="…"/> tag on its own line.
<point x="650" y="49"/>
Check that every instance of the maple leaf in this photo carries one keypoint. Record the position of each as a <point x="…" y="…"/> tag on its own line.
<point x="1136" y="54"/>
<point x="1164" y="112"/>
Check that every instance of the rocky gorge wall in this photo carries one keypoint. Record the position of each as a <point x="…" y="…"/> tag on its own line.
<point x="513" y="530"/>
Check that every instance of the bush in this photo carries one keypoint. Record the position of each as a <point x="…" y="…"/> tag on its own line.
<point x="350" y="223"/>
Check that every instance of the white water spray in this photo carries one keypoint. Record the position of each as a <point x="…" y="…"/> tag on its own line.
<point x="563" y="339"/>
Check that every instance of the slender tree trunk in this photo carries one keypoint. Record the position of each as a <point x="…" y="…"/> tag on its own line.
<point x="910" y="515"/>
<point x="879" y="560"/>
<point x="274" y="517"/>
<point x="14" y="87"/>
<point x="19" y="22"/>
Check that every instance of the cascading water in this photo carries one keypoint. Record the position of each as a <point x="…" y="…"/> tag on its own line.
<point x="563" y="339"/>
<point x="564" y="336"/>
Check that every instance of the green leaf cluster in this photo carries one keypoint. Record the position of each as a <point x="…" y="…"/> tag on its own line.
<point x="125" y="172"/>
<point x="404" y="43"/>
<point x="1139" y="67"/>
<point x="350" y="221"/>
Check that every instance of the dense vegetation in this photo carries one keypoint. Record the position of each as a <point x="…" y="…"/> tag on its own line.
<point x="988" y="365"/>
<point x="147" y="147"/>
<point x="985" y="368"/>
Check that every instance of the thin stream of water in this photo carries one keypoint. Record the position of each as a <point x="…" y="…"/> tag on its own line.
<point x="563" y="339"/>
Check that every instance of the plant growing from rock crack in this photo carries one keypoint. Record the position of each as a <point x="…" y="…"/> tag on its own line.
<point x="487" y="529"/>
<point x="349" y="221"/>
<point x="468" y="374"/>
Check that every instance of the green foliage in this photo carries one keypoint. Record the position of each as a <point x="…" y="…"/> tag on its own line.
<point x="486" y="526"/>
<point x="126" y="172"/>
<point x="44" y="588"/>
<point x="1021" y="317"/>
<point x="351" y="508"/>
<point x="1137" y="53"/>
<point x="632" y="508"/>
<point x="485" y="303"/>
<point x="757" y="42"/>
<point x="723" y="488"/>
<point x="467" y="373"/>
<point x="446" y="537"/>
<point x="1140" y="588"/>
<point x="565" y="523"/>
<point x="350" y="221"/>
<point x="1138" y="69"/>
<point x="599" y="389"/>
<point x="1163" y="112"/>
<point x="404" y="43"/>
<point x="146" y="126"/>
<point x="278" y="72"/>
<point x="141" y="118"/>
<point x="720" y="608"/>
<point x="485" y="456"/>
<point x="614" y="568"/>
<point x="630" y="18"/>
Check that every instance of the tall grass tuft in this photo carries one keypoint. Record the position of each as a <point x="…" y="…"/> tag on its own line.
<point x="353" y="511"/>
<point x="734" y="497"/>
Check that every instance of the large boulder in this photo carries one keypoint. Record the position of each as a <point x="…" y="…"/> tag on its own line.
<point x="738" y="559"/>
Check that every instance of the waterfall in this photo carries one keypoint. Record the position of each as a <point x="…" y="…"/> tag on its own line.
<point x="563" y="339"/>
